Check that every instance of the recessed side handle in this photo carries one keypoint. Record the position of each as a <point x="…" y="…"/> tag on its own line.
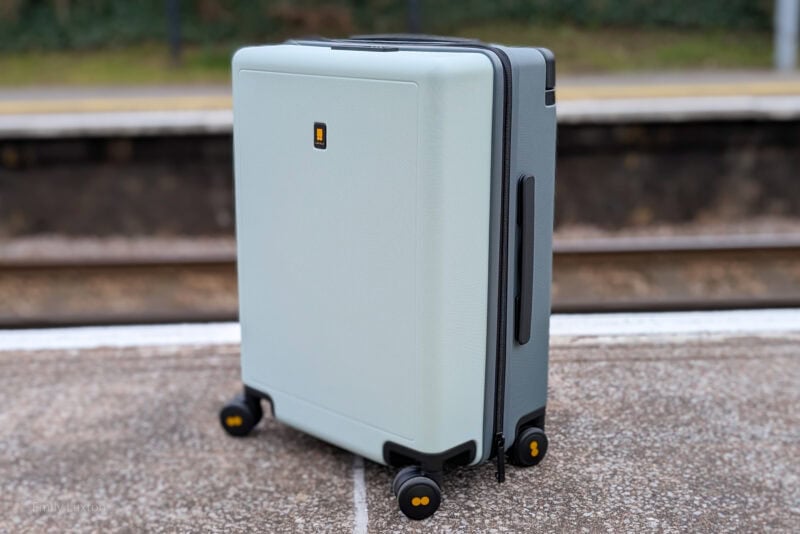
<point x="526" y="197"/>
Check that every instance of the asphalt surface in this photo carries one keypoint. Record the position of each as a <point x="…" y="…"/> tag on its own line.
<point x="668" y="433"/>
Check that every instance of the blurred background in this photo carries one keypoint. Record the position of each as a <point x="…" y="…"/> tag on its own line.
<point x="678" y="148"/>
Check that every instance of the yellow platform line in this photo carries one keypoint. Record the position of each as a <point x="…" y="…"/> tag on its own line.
<point x="564" y="93"/>
<point x="769" y="88"/>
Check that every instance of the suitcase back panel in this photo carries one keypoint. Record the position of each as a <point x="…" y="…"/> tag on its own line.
<point x="363" y="254"/>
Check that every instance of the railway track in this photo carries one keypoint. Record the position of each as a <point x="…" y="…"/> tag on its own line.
<point x="676" y="273"/>
<point x="81" y="282"/>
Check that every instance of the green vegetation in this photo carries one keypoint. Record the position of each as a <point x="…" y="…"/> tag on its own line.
<point x="123" y="42"/>
<point x="143" y="64"/>
<point x="578" y="50"/>
<point x="71" y="24"/>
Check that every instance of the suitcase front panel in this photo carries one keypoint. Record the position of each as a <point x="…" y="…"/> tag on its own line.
<point x="332" y="240"/>
<point x="363" y="264"/>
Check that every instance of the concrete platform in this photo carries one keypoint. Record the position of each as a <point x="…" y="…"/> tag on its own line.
<point x="220" y="121"/>
<point x="658" y="422"/>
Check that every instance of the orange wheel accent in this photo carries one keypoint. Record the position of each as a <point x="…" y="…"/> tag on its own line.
<point x="233" y="420"/>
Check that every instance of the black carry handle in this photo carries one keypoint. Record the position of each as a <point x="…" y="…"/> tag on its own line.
<point x="527" y="197"/>
<point x="411" y="38"/>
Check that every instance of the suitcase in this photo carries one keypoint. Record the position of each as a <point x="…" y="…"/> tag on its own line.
<point x="394" y="212"/>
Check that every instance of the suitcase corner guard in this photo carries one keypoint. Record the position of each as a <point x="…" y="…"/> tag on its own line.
<point x="398" y="456"/>
<point x="254" y="393"/>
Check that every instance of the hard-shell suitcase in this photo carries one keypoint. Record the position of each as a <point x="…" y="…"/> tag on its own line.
<point x="394" y="211"/>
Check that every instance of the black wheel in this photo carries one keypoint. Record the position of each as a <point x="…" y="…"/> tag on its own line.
<point x="529" y="448"/>
<point x="241" y="415"/>
<point x="406" y="473"/>
<point x="418" y="495"/>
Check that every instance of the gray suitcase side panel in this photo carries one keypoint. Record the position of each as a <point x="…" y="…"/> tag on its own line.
<point x="533" y="139"/>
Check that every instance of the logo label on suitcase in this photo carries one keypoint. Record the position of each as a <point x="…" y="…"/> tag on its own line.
<point x="320" y="135"/>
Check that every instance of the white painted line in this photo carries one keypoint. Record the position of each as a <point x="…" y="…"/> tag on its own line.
<point x="119" y="336"/>
<point x="361" y="518"/>
<point x="679" y="109"/>
<point x="115" y="123"/>
<point x="734" y="322"/>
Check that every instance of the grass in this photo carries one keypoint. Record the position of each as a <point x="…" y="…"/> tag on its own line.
<point x="143" y="64"/>
<point x="620" y="50"/>
<point x="578" y="51"/>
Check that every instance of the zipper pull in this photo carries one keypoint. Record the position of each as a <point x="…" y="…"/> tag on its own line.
<point x="500" y="447"/>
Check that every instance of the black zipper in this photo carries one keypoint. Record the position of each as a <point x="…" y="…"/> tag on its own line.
<point x="502" y="279"/>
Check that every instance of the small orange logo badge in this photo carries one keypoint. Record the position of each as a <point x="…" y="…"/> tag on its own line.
<point x="320" y="135"/>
